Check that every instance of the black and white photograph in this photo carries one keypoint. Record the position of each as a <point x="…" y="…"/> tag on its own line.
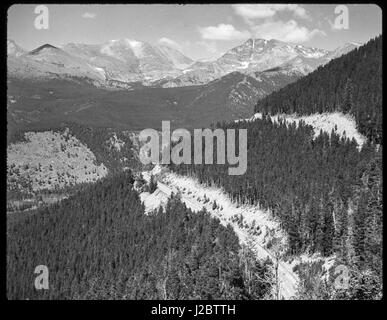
<point x="205" y="152"/>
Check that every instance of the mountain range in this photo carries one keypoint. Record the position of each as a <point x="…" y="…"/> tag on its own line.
<point x="120" y="63"/>
<point x="134" y="85"/>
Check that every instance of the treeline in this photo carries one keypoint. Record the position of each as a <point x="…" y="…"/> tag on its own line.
<point x="351" y="83"/>
<point x="326" y="192"/>
<point x="99" y="244"/>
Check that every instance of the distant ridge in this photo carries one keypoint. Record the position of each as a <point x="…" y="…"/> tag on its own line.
<point x="45" y="46"/>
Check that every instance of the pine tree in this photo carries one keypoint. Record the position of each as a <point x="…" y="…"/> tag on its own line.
<point x="348" y="97"/>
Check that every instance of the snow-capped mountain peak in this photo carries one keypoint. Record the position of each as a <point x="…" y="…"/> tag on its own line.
<point x="261" y="54"/>
<point x="127" y="60"/>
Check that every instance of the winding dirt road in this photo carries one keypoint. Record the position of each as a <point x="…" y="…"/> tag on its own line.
<point x="288" y="280"/>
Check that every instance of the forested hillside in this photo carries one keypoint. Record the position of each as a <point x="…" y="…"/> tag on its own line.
<point x="111" y="147"/>
<point x="351" y="83"/>
<point x="46" y="165"/>
<point x="99" y="244"/>
<point x="326" y="192"/>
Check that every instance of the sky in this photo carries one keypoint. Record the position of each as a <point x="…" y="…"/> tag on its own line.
<point x="199" y="31"/>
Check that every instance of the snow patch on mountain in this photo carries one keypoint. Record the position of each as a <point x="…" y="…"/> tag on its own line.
<point x="244" y="65"/>
<point x="137" y="47"/>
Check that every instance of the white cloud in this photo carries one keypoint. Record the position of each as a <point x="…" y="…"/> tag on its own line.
<point x="264" y="11"/>
<point x="89" y="15"/>
<point x="263" y="22"/>
<point x="169" y="42"/>
<point x="286" y="31"/>
<point x="223" y="32"/>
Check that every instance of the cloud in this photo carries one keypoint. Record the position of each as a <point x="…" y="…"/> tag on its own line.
<point x="263" y="22"/>
<point x="263" y="11"/>
<point x="223" y="32"/>
<point x="169" y="42"/>
<point x="289" y="31"/>
<point x="89" y="15"/>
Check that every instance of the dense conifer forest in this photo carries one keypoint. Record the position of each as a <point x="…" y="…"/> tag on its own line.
<point x="326" y="192"/>
<point x="99" y="244"/>
<point x="351" y="84"/>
